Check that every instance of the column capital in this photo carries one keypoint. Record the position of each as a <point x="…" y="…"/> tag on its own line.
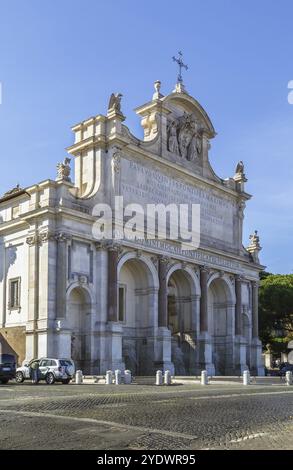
<point x="62" y="237"/>
<point x="204" y="269"/>
<point x="32" y="240"/>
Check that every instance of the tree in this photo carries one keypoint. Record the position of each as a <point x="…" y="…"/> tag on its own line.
<point x="276" y="310"/>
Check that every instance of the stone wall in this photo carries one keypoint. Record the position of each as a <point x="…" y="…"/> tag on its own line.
<point x="12" y="341"/>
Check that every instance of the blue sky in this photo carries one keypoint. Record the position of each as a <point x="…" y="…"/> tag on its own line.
<point x="60" y="61"/>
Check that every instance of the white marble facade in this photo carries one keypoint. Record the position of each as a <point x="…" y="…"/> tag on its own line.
<point x="138" y="305"/>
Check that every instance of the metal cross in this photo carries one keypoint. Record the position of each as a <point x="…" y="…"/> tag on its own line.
<point x="181" y="65"/>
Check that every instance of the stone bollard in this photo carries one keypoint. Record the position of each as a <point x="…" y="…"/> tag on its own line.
<point x="127" y="377"/>
<point x="159" y="377"/>
<point x="204" y="378"/>
<point x="246" y="377"/>
<point x="289" y="378"/>
<point x="109" y="377"/>
<point x="117" y="377"/>
<point x="167" y="377"/>
<point x="78" y="377"/>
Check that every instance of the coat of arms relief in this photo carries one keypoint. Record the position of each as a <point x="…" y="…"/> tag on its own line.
<point x="185" y="137"/>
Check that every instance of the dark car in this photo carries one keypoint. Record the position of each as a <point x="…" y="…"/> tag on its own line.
<point x="7" y="367"/>
<point x="285" y="367"/>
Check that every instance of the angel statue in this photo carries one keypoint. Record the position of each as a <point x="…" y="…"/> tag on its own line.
<point x="63" y="170"/>
<point x="115" y="102"/>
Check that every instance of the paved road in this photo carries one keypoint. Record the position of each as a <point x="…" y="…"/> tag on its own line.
<point x="220" y="416"/>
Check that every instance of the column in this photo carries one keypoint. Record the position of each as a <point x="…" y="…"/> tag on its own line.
<point x="33" y="296"/>
<point x="204" y="299"/>
<point x="254" y="310"/>
<point x="112" y="284"/>
<point x="163" y="292"/>
<point x="238" y="307"/>
<point x="61" y="239"/>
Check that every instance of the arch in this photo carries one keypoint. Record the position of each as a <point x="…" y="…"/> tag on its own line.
<point x="221" y="320"/>
<point x="193" y="106"/>
<point x="79" y="309"/>
<point x="190" y="274"/>
<point x="183" y="315"/>
<point x="83" y="287"/>
<point x="229" y="287"/>
<point x="144" y="259"/>
<point x="138" y="287"/>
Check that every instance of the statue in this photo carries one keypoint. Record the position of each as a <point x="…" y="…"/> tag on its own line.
<point x="184" y="137"/>
<point x="115" y="103"/>
<point x="15" y="190"/>
<point x="254" y="247"/>
<point x="195" y="146"/>
<point x="185" y="134"/>
<point x="63" y="170"/>
<point x="172" y="138"/>
<point x="240" y="168"/>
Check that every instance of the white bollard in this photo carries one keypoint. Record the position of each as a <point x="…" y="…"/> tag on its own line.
<point x="109" y="377"/>
<point x="117" y="377"/>
<point x="78" y="377"/>
<point x="289" y="378"/>
<point x="167" y="377"/>
<point x="159" y="377"/>
<point x="246" y="377"/>
<point x="127" y="377"/>
<point x="204" y="378"/>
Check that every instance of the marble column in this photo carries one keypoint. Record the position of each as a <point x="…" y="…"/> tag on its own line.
<point x="112" y="284"/>
<point x="163" y="292"/>
<point x="204" y="273"/>
<point x="205" y="342"/>
<point x="254" y="310"/>
<point x="256" y="346"/>
<point x="238" y="309"/>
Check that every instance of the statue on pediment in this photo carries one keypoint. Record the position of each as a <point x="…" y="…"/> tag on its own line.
<point x="115" y="102"/>
<point x="195" y="146"/>
<point x="172" y="138"/>
<point x="184" y="137"/>
<point x="185" y="134"/>
<point x="63" y="170"/>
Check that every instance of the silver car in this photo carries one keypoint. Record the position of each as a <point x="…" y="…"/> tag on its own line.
<point x="50" y="370"/>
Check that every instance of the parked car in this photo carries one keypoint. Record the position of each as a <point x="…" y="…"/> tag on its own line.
<point x="51" y="370"/>
<point x="285" y="367"/>
<point x="7" y="367"/>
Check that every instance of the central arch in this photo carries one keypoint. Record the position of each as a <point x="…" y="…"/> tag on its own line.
<point x="183" y="317"/>
<point x="137" y="312"/>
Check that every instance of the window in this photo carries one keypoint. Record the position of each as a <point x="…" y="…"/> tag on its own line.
<point x="14" y="293"/>
<point x="15" y="212"/>
<point x="121" y="303"/>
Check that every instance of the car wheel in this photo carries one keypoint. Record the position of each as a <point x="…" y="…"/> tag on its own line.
<point x="19" y="377"/>
<point x="50" y="379"/>
<point x="4" y="381"/>
<point x="66" y="381"/>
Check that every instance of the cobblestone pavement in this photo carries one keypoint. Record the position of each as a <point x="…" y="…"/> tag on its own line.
<point x="219" y="416"/>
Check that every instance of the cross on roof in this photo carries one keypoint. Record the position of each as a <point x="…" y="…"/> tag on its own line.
<point x="181" y="65"/>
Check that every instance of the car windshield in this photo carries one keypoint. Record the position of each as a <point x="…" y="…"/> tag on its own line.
<point x="32" y="361"/>
<point x="65" y="362"/>
<point x="7" y="359"/>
